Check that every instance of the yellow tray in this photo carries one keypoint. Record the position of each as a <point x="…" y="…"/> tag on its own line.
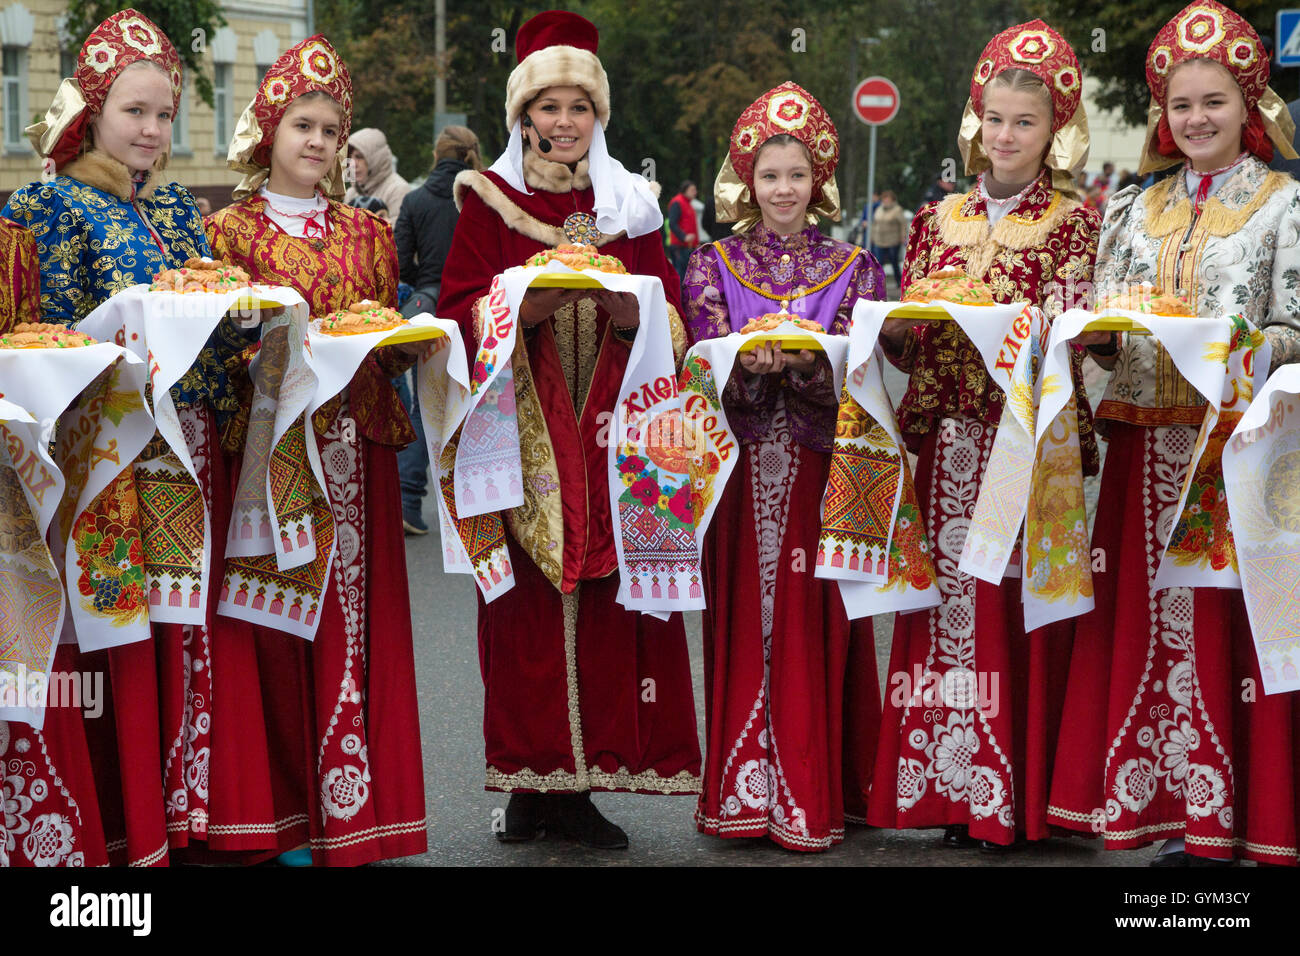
<point x="246" y="303"/>
<point x="565" y="280"/>
<point x="1118" y="323"/>
<point x="790" y="342"/>
<point x="921" y="312"/>
<point x="413" y="333"/>
<point x="409" y="333"/>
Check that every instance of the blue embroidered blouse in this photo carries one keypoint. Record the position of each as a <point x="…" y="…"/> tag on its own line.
<point x="92" y="244"/>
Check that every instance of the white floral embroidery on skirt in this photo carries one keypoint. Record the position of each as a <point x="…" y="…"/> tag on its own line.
<point x="1186" y="756"/>
<point x="345" y="767"/>
<point x="760" y="783"/>
<point x="956" y="748"/>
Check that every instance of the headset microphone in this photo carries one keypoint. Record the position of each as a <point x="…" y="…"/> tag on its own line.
<point x="543" y="143"/>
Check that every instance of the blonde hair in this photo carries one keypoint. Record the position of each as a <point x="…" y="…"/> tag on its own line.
<point x="458" y="142"/>
<point x="316" y="95"/>
<point x="1022" y="81"/>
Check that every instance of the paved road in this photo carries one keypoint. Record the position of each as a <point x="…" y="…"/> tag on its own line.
<point x="660" y="829"/>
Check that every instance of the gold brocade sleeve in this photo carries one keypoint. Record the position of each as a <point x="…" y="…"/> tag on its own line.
<point x="20" y="296"/>
<point x="678" y="329"/>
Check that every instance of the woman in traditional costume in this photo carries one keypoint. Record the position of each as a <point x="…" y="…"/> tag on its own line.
<point x="105" y="223"/>
<point x="969" y="764"/>
<point x="1166" y="737"/>
<point x="341" y="718"/>
<point x="564" y="665"/>
<point x="792" y="703"/>
<point x="47" y="785"/>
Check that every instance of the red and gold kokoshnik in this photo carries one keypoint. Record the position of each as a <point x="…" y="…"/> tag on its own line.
<point x="1037" y="48"/>
<point x="123" y="39"/>
<point x="792" y="110"/>
<point x="306" y="67"/>
<point x="1210" y="31"/>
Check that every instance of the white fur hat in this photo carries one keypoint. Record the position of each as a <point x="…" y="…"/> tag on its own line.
<point x="556" y="48"/>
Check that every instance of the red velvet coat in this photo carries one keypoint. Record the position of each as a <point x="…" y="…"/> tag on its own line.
<point x="576" y="373"/>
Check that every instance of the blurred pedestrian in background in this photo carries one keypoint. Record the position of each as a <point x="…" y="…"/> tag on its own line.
<point x="374" y="171"/>
<point x="889" y="232"/>
<point x="683" y="227"/>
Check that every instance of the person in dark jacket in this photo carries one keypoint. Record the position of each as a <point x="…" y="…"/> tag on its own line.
<point x="428" y="215"/>
<point x="423" y="234"/>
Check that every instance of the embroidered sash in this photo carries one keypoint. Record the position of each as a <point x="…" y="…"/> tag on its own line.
<point x="1261" y="471"/>
<point x="873" y="540"/>
<point x="654" y="536"/>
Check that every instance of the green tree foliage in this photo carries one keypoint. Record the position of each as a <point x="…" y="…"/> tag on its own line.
<point x="393" y="70"/>
<point x="179" y="19"/>
<point x="681" y="71"/>
<point x="929" y="51"/>
<point x="1112" y="38"/>
<point x="390" y="52"/>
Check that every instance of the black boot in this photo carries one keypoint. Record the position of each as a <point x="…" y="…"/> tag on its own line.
<point x="525" y="818"/>
<point x="957" y="837"/>
<point x="576" y="817"/>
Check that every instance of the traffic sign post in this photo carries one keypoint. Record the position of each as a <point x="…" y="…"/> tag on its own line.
<point x="1288" y="38"/>
<point x="875" y="102"/>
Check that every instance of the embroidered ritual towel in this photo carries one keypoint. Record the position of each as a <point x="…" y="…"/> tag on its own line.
<point x="1057" y="558"/>
<point x="167" y="330"/>
<point x="1200" y="550"/>
<point x="31" y="592"/>
<point x="708" y="436"/>
<point x="279" y="477"/>
<point x="873" y="540"/>
<point x="482" y="476"/>
<point x="1005" y="338"/>
<point x="280" y="539"/>
<point x="97" y="395"/>
<point x="654" y="535"/>
<point x="1225" y="360"/>
<point x="1261" y="471"/>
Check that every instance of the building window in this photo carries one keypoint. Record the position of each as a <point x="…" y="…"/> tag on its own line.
<point x="15" y="99"/>
<point x="181" y="125"/>
<point x="266" y="50"/>
<point x="221" y="99"/>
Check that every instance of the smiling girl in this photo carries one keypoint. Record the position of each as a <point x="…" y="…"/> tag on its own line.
<point x="358" y="795"/>
<point x="791" y="694"/>
<point x="109" y="220"/>
<point x="982" y="771"/>
<point x="561" y="658"/>
<point x="1166" y="741"/>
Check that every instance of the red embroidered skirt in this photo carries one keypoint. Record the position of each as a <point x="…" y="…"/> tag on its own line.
<point x="972" y="703"/>
<point x="343" y="731"/>
<point x="49" y="810"/>
<point x="1168" y="732"/>
<point x="791" y="693"/>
